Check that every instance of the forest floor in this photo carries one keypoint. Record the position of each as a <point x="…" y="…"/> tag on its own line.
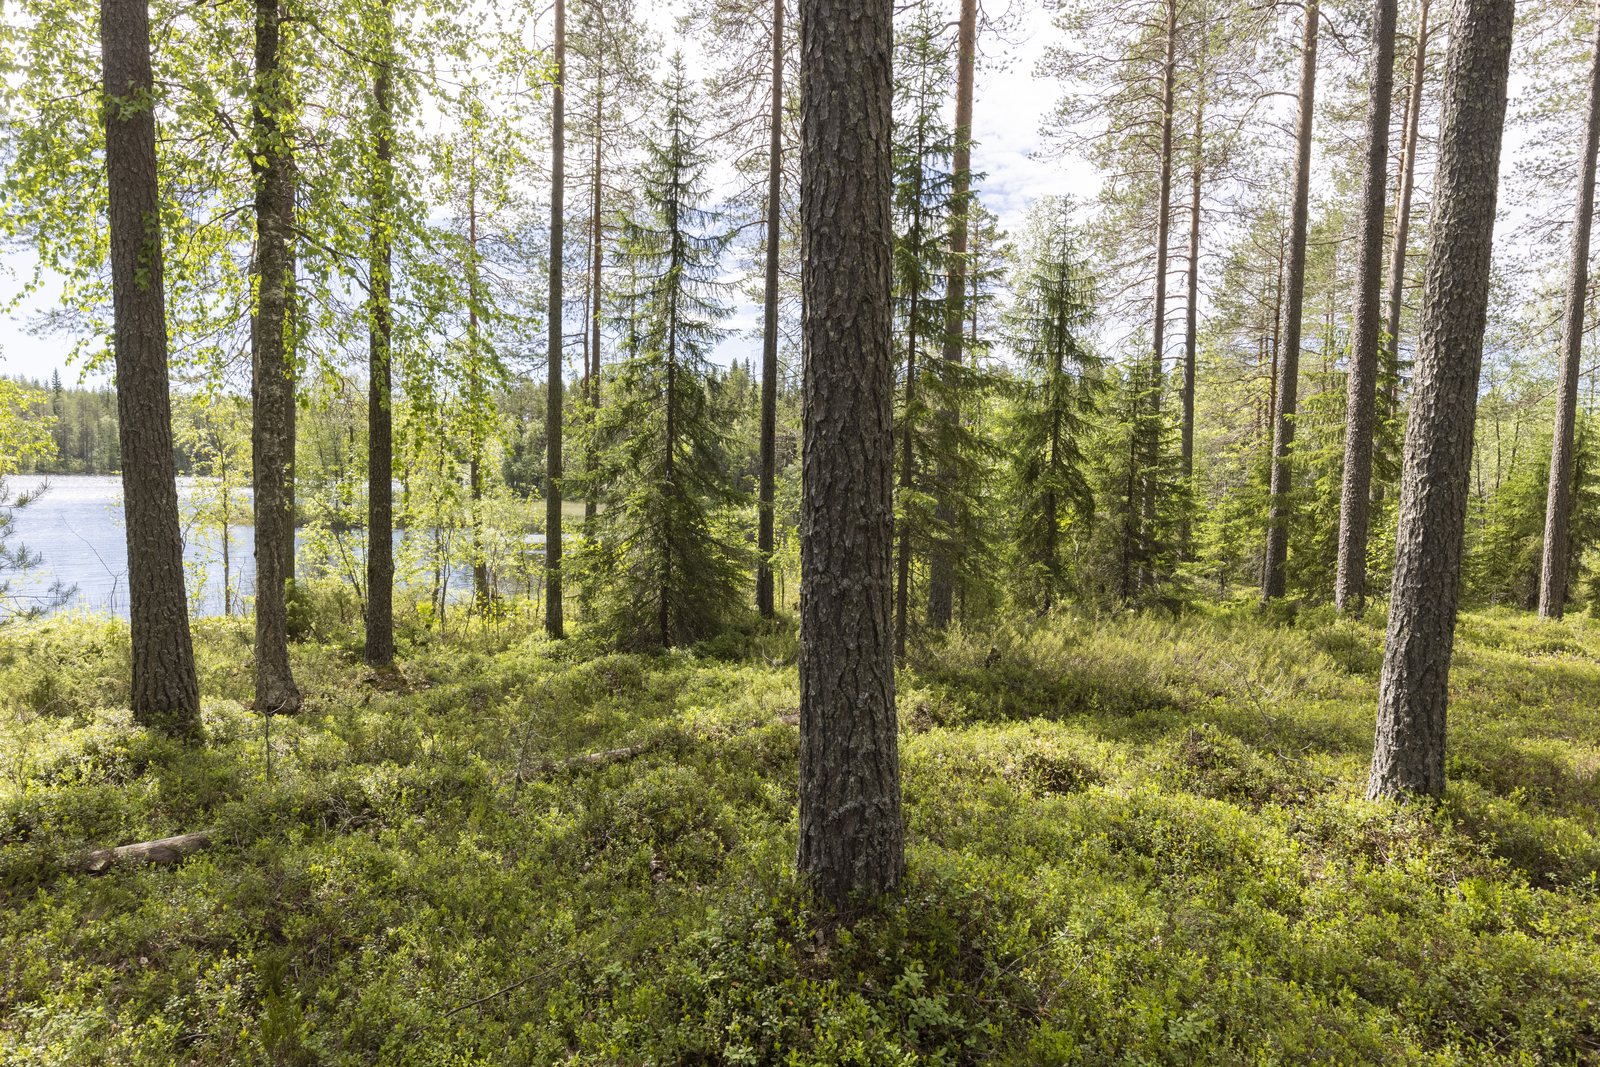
<point x="1139" y="840"/>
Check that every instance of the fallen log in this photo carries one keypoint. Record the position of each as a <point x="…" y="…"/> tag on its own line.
<point x="166" y="850"/>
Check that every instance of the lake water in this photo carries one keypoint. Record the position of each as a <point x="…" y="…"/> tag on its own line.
<point x="77" y="527"/>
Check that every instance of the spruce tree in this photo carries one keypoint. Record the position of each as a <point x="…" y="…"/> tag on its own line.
<point x="675" y="575"/>
<point x="1048" y="323"/>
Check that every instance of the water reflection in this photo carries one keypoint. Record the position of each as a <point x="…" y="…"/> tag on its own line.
<point x="77" y="527"/>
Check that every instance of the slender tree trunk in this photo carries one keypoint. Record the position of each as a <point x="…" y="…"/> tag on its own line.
<point x="592" y="371"/>
<point x="1277" y="328"/>
<point x="1350" y="583"/>
<point x="272" y="391"/>
<point x="554" y="624"/>
<point x="1402" y="212"/>
<point x="1192" y="308"/>
<point x="1413" y="691"/>
<point x="1130" y="521"/>
<point x="1275" y="581"/>
<point x="851" y="834"/>
<point x="769" y="336"/>
<point x="227" y="556"/>
<point x="227" y="574"/>
<point x="166" y="690"/>
<point x="1158" y="330"/>
<point x="670" y="473"/>
<point x="941" y="571"/>
<point x="1051" y="519"/>
<point x="379" y="650"/>
<point x="1558" y="505"/>
<point x="902" y="596"/>
<point x="480" y="566"/>
<point x="291" y="345"/>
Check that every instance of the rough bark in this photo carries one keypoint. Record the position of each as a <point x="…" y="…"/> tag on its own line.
<point x="1402" y="210"/>
<point x="1275" y="580"/>
<point x="379" y="650"/>
<point x="1558" y="502"/>
<point x="941" y="572"/>
<point x="271" y="384"/>
<point x="769" y="336"/>
<point x="554" y="622"/>
<point x="1350" y="583"/>
<point x="1413" y="692"/>
<point x="166" y="690"/>
<point x="850" y="834"/>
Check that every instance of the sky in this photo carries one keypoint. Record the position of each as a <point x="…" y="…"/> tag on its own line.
<point x="21" y="353"/>
<point x="1008" y="106"/>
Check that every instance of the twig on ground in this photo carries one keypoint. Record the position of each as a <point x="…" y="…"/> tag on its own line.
<point x="615" y="755"/>
<point x="1270" y="738"/>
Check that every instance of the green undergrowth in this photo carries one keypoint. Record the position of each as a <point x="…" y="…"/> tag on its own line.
<point x="1135" y="840"/>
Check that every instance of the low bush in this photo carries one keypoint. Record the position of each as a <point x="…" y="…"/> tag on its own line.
<point x="1139" y="840"/>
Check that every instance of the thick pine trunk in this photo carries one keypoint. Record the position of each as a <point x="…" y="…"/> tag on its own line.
<point x="1558" y="503"/>
<point x="166" y="690"/>
<point x="272" y="391"/>
<point x="1350" y="584"/>
<point x="379" y="650"/>
<point x="1275" y="580"/>
<point x="769" y="336"/>
<point x="1402" y="211"/>
<point x="1158" y="328"/>
<point x="851" y="834"/>
<point x="554" y="623"/>
<point x="1413" y="691"/>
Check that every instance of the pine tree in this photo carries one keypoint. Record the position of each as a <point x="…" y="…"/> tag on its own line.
<point x="922" y="146"/>
<point x="1554" y="583"/>
<point x="752" y="49"/>
<point x="940" y="458"/>
<point x="554" y="620"/>
<point x="166" y="689"/>
<point x="675" y="573"/>
<point x="850" y="822"/>
<point x="378" y="650"/>
<point x="1408" y="756"/>
<point x="1274" y="575"/>
<point x="1048" y="322"/>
